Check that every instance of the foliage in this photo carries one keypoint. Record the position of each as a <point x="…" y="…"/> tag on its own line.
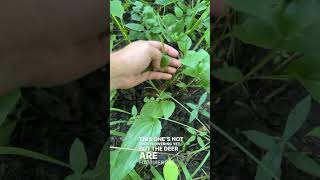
<point x="287" y="27"/>
<point x="185" y="25"/>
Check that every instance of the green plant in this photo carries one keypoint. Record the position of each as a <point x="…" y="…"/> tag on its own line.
<point x="186" y="26"/>
<point x="288" y="32"/>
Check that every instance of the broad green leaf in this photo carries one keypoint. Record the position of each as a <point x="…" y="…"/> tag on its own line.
<point x="262" y="140"/>
<point x="200" y="141"/>
<point x="7" y="103"/>
<point x="181" y="85"/>
<point x="228" y="74"/>
<point x="202" y="99"/>
<point x="190" y="59"/>
<point x="78" y="156"/>
<point x="165" y="60"/>
<point x="191" y="130"/>
<point x="192" y="106"/>
<point x="135" y="17"/>
<point x="135" y="27"/>
<point x="257" y="32"/>
<point x="191" y="139"/>
<point x="116" y="8"/>
<point x="297" y="117"/>
<point x="167" y="108"/>
<point x="185" y="170"/>
<point x="163" y="2"/>
<point x="156" y="173"/>
<point x="272" y="160"/>
<point x="260" y="9"/>
<point x="170" y="170"/>
<point x="314" y="132"/>
<point x="169" y="19"/>
<point x="178" y="11"/>
<point x="145" y="126"/>
<point x="304" y="163"/>
<point x="193" y="115"/>
<point x="184" y="43"/>
<point x="151" y="109"/>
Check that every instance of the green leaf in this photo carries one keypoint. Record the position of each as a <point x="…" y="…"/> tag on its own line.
<point x="156" y="173"/>
<point x="314" y="132"/>
<point x="151" y="109"/>
<point x="30" y="154"/>
<point x="193" y="115"/>
<point x="163" y="2"/>
<point x="7" y="103"/>
<point x="185" y="170"/>
<point x="251" y="30"/>
<point x="184" y="43"/>
<point x="116" y="8"/>
<point x="228" y="74"/>
<point x="192" y="106"/>
<point x="135" y="27"/>
<point x="133" y="175"/>
<point x="145" y="126"/>
<point x="169" y="19"/>
<point x="191" y="130"/>
<point x="78" y="156"/>
<point x="165" y="60"/>
<point x="200" y="142"/>
<point x="134" y="111"/>
<point x="117" y="133"/>
<point x="260" y="9"/>
<point x="297" y="117"/>
<point x="272" y="160"/>
<point x="178" y="11"/>
<point x="135" y="16"/>
<point x="181" y="85"/>
<point x="202" y="99"/>
<point x="190" y="140"/>
<point x="170" y="170"/>
<point x="167" y="108"/>
<point x="304" y="163"/>
<point x="262" y="140"/>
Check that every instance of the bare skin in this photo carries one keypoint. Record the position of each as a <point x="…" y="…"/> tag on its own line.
<point x="128" y="65"/>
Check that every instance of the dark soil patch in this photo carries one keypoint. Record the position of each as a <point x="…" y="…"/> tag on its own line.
<point x="51" y="119"/>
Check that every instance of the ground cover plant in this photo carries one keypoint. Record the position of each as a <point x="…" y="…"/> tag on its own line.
<point x="266" y="54"/>
<point x="179" y="107"/>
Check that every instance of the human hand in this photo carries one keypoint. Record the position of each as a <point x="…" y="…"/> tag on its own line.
<point x="128" y="65"/>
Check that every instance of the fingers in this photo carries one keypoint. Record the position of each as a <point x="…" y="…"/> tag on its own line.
<point x="167" y="49"/>
<point x="153" y="75"/>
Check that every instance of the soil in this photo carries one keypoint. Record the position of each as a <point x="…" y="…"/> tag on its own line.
<point x="127" y="98"/>
<point x="50" y="121"/>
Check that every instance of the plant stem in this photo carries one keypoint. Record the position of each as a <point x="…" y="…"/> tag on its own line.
<point x="123" y="31"/>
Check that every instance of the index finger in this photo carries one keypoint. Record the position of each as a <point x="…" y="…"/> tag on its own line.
<point x="167" y="49"/>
